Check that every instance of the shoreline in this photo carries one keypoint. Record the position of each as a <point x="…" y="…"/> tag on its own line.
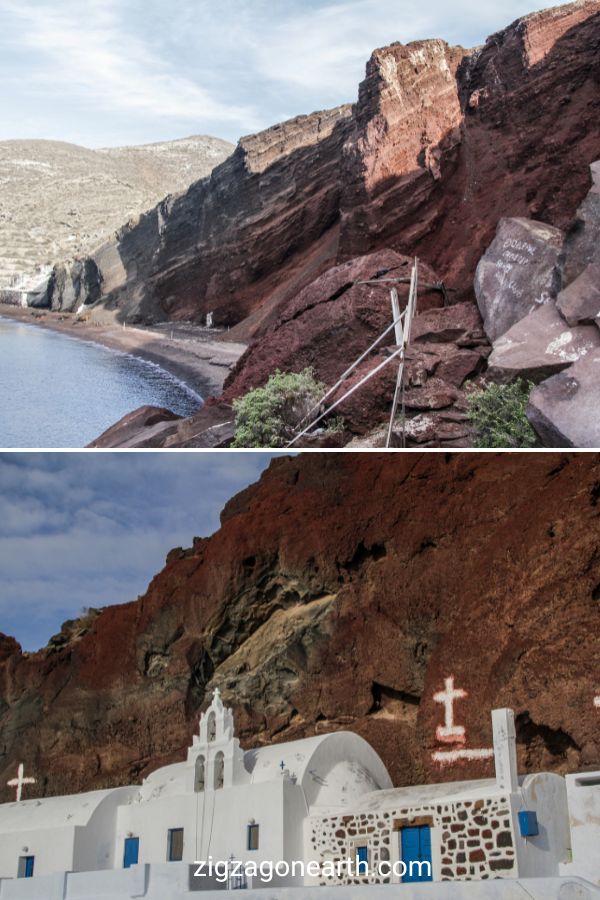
<point x="189" y="352"/>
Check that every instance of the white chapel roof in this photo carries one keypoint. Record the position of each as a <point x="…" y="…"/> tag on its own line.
<point x="53" y="812"/>
<point x="339" y="765"/>
<point x="423" y="794"/>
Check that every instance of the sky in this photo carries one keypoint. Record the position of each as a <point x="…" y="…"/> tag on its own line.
<point x="91" y="529"/>
<point x="116" y="72"/>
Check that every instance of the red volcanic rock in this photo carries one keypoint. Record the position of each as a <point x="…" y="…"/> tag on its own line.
<point x="540" y="345"/>
<point x="340" y="592"/>
<point x="442" y="144"/>
<point x="332" y="321"/>
<point x="146" y="426"/>
<point x="449" y="142"/>
<point x="460" y="323"/>
<point x="579" y="303"/>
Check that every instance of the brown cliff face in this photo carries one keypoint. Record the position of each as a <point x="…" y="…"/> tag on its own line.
<point x="231" y="239"/>
<point x="442" y="143"/>
<point x="448" y="142"/>
<point x="340" y="592"/>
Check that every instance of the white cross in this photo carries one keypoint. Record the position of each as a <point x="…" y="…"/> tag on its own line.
<point x="449" y="732"/>
<point x="19" y="781"/>
<point x="597" y="702"/>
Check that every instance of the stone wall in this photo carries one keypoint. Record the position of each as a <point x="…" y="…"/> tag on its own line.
<point x="471" y="839"/>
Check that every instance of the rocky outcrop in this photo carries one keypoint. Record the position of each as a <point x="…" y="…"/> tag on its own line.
<point x="351" y="303"/>
<point x="153" y="427"/>
<point x="441" y="144"/>
<point x="338" y="593"/>
<point x="501" y="131"/>
<point x="540" y="345"/>
<point x="565" y="409"/>
<point x="549" y="288"/>
<point x="517" y="273"/>
<point x="233" y="237"/>
<point x="579" y="303"/>
<point x="337" y="307"/>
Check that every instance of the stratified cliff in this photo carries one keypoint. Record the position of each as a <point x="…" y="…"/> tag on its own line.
<point x="441" y="144"/>
<point x="339" y="593"/>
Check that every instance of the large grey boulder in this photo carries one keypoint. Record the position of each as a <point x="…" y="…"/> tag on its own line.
<point x="579" y="303"/>
<point x="582" y="243"/>
<point x="565" y="409"/>
<point x="518" y="273"/>
<point x="540" y="345"/>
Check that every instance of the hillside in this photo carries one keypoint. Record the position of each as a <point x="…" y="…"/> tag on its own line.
<point x="339" y="593"/>
<point x="461" y="157"/>
<point x="58" y="200"/>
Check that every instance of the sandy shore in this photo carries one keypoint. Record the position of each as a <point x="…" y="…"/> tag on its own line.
<point x="199" y="357"/>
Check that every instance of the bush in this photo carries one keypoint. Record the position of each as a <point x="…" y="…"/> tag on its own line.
<point x="270" y="416"/>
<point x="498" y="416"/>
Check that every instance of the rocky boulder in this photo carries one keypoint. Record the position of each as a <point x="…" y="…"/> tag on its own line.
<point x="518" y="272"/>
<point x="540" y="345"/>
<point x="582" y="244"/>
<point x="146" y="426"/>
<point x="579" y="303"/>
<point x="565" y="409"/>
<point x="332" y="321"/>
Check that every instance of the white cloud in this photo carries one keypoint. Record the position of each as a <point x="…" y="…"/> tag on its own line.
<point x="82" y="529"/>
<point x="91" y="49"/>
<point x="107" y="72"/>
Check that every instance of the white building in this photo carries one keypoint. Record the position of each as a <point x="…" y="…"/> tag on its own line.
<point x="324" y="800"/>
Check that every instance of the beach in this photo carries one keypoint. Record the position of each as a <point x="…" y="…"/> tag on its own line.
<point x="200" y="357"/>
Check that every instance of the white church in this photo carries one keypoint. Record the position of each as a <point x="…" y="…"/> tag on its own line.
<point x="316" y="814"/>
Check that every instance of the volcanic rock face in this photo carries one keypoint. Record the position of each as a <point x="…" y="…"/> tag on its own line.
<point x="221" y="247"/>
<point x="339" y="593"/>
<point x="350" y="305"/>
<point x="441" y="144"/>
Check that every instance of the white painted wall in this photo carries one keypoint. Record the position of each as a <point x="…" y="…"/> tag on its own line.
<point x="583" y="795"/>
<point x="163" y="882"/>
<point x="546" y="794"/>
<point x="53" y="851"/>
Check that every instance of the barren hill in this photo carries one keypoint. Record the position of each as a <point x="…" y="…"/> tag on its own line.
<point x="58" y="200"/>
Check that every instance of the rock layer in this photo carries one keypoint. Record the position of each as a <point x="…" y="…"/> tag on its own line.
<point x="441" y="144"/>
<point x="339" y="593"/>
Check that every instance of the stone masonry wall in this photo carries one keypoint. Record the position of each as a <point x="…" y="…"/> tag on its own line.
<point x="475" y="839"/>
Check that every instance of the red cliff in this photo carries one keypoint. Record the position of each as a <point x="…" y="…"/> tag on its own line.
<point x="340" y="592"/>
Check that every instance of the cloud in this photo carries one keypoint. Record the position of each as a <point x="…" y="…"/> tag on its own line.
<point x="81" y="529"/>
<point x="107" y="72"/>
<point x="93" y="49"/>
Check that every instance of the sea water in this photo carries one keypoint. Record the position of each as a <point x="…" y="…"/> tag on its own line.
<point x="57" y="391"/>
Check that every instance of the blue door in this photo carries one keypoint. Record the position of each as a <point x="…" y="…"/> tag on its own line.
<point x="132" y="849"/>
<point x="362" y="860"/>
<point x="416" y="848"/>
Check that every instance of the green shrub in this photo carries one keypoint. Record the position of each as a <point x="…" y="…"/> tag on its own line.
<point x="498" y="416"/>
<point x="270" y="416"/>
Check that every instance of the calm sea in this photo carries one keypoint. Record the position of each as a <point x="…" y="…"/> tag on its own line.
<point x="57" y="391"/>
